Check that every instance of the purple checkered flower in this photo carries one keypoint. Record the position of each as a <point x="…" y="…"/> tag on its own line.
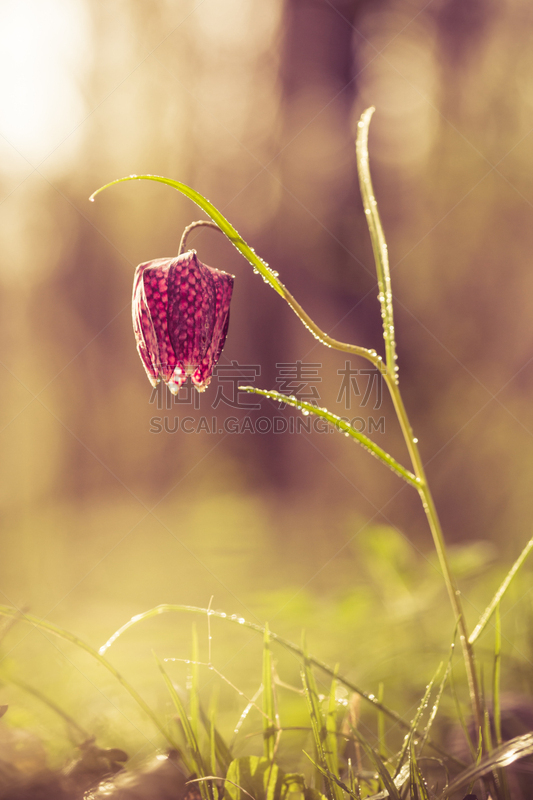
<point x="180" y="313"/>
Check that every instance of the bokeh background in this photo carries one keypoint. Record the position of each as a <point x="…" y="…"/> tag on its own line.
<point x="255" y="105"/>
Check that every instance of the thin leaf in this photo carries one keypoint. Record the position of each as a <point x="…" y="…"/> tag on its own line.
<point x="496" y="705"/>
<point x="331" y="727"/>
<point x="341" y="425"/>
<point x="417" y="779"/>
<point x="269" y="726"/>
<point x="381" y="724"/>
<point x="496" y="678"/>
<point x="317" y="726"/>
<point x="501" y="757"/>
<point x="223" y="780"/>
<point x="320" y="732"/>
<point x="195" y="763"/>
<point x="224" y="755"/>
<point x="330" y="776"/>
<point x="71" y="722"/>
<point x="461" y="718"/>
<point x="382" y="770"/>
<point x="213" y="746"/>
<point x="256" y="777"/>
<point x="414" y="724"/>
<point x="491" y="608"/>
<point x="194" y="696"/>
<point x="43" y="625"/>
<point x="438" y="697"/>
<point x="379" y="245"/>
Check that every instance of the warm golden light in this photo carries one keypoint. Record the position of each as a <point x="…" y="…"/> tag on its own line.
<point x="43" y="47"/>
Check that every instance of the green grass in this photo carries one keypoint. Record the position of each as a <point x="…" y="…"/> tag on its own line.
<point x="305" y="739"/>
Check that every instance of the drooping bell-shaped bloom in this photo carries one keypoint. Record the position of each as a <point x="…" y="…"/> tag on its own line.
<point x="180" y="318"/>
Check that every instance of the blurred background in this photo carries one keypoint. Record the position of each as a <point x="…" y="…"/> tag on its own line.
<point x="107" y="505"/>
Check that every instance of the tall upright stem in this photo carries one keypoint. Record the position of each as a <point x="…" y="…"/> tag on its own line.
<point x="438" y="540"/>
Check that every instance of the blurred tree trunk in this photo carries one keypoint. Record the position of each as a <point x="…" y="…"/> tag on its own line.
<point x="309" y="240"/>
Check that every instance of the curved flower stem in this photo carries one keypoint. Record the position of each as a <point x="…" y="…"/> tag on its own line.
<point x="371" y="355"/>
<point x="200" y="223"/>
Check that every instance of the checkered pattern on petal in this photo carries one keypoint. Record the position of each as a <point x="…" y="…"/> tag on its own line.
<point x="191" y="310"/>
<point x="144" y="330"/>
<point x="155" y="278"/>
<point x="223" y="291"/>
<point x="180" y="319"/>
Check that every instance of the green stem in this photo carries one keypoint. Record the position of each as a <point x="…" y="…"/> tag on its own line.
<point x="377" y="236"/>
<point x="390" y="374"/>
<point x="438" y="540"/>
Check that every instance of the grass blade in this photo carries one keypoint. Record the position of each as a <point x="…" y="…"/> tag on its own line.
<point x="379" y="245"/>
<point x="461" y="717"/>
<point x="194" y="698"/>
<point x="496" y="678"/>
<point x="195" y="763"/>
<point x="438" y="697"/>
<point x="331" y="727"/>
<point x="491" y="608"/>
<point x="414" y="724"/>
<point x="269" y="721"/>
<point x="43" y="625"/>
<point x="381" y="724"/>
<point x="82" y="734"/>
<point x="320" y="732"/>
<point x="380" y="767"/>
<point x="223" y="754"/>
<point x="418" y="785"/>
<point x="330" y="776"/>
<point x="504" y="756"/>
<point x="496" y="705"/>
<point x="341" y="425"/>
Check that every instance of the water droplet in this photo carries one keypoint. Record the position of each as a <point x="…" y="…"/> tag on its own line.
<point x="415" y="440"/>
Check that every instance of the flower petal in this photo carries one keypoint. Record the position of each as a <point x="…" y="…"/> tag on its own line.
<point x="191" y="310"/>
<point x="180" y="318"/>
<point x="143" y="328"/>
<point x="223" y="291"/>
<point x="155" y="279"/>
